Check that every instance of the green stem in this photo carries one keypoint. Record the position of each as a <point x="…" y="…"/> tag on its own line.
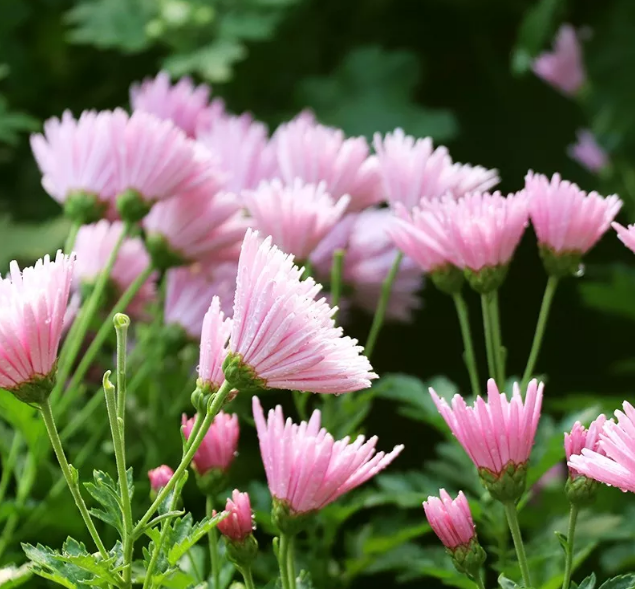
<point x="468" y="344"/>
<point x="72" y="235"/>
<point x="247" y="577"/>
<point x="291" y="561"/>
<point x="543" y="316"/>
<point x="497" y="341"/>
<point x="514" y="528"/>
<point x="489" y="342"/>
<point x="382" y="305"/>
<point x="121" y="322"/>
<point x="165" y="528"/>
<point x="283" y="556"/>
<point x="71" y="477"/>
<point x="9" y="464"/>
<point x="194" y="442"/>
<point x="479" y="582"/>
<point x="568" y="567"/>
<point x="336" y="277"/>
<point x="214" y="557"/>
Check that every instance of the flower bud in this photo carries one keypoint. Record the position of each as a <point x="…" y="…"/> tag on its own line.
<point x="160" y="477"/>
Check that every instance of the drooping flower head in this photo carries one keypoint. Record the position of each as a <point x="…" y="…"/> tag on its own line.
<point x="297" y="216"/>
<point x="160" y="477"/>
<point x="240" y="523"/>
<point x="32" y="307"/>
<point x="306" y="468"/>
<point x="218" y="449"/>
<point x="563" y="67"/>
<point x="497" y="435"/>
<point x="588" y="152"/>
<point x="412" y="169"/>
<point x="281" y="336"/>
<point x="182" y="103"/>
<point x="567" y="220"/>
<point x="314" y="153"/>
<point x="214" y="336"/>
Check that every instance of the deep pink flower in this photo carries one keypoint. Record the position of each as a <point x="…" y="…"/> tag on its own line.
<point x="626" y="235"/>
<point x="160" y="477"/>
<point x="563" y="68"/>
<point x="240" y="522"/>
<point x="297" y="216"/>
<point x="412" y="170"/>
<point x="242" y="148"/>
<point x="581" y="438"/>
<point x="306" y="468"/>
<point x="613" y="462"/>
<point x="588" y="152"/>
<point x="451" y="520"/>
<point x="214" y="336"/>
<point x="183" y="104"/>
<point x="567" y="219"/>
<point x="282" y="335"/>
<point x="218" y="448"/>
<point x="498" y="432"/>
<point x="314" y="153"/>
<point x="32" y="307"/>
<point x="95" y="243"/>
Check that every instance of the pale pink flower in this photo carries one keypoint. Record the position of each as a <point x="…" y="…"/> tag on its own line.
<point x="297" y="216"/>
<point x="182" y="103"/>
<point x="412" y="170"/>
<point x="581" y="438"/>
<point x="160" y="477"/>
<point x="563" y="68"/>
<point x="284" y="336"/>
<point x="95" y="243"/>
<point x="588" y="152"/>
<point x="306" y="468"/>
<point x="451" y="520"/>
<point x="32" y="307"/>
<point x="240" y="522"/>
<point x="315" y="153"/>
<point x="567" y="219"/>
<point x="218" y="448"/>
<point x="498" y="432"/>
<point x="215" y="333"/>
<point x="613" y="462"/>
<point x="76" y="155"/>
<point x="242" y="148"/>
<point x="626" y="235"/>
<point x="70" y="314"/>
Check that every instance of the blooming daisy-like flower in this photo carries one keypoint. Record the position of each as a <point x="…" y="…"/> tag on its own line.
<point x="240" y="523"/>
<point x="214" y="336"/>
<point x="218" y="448"/>
<point x="588" y="152"/>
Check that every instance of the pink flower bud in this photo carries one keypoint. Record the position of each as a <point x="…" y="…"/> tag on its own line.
<point x="588" y="152"/>
<point x="451" y="520"/>
<point x="218" y="449"/>
<point x="581" y="438"/>
<point x="160" y="477"/>
<point x="239" y="524"/>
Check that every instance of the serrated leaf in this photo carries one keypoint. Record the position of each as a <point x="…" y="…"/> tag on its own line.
<point x="105" y="491"/>
<point x="50" y="564"/>
<point x="620" y="582"/>
<point x="213" y="62"/>
<point x="183" y="541"/>
<point x="588" y="583"/>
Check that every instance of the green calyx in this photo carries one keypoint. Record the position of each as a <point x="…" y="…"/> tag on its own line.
<point x="163" y="256"/>
<point x="84" y="207"/>
<point x="242" y="552"/>
<point x="469" y="558"/>
<point x="581" y="490"/>
<point x="487" y="279"/>
<point x="241" y="376"/>
<point x="212" y="482"/>
<point x="506" y="486"/>
<point x="286" y="520"/>
<point x="448" y="279"/>
<point x="131" y="206"/>
<point x="36" y="390"/>
<point x="560" y="264"/>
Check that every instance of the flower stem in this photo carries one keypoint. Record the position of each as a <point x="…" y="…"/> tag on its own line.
<point x="247" y="577"/>
<point x="283" y="558"/>
<point x="72" y="235"/>
<point x="568" y="567"/>
<point x="543" y="316"/>
<point x="382" y="305"/>
<point x="497" y="342"/>
<point x="336" y="277"/>
<point x="214" y="558"/>
<point x="70" y="476"/>
<point x="468" y="344"/>
<point x="514" y="528"/>
<point x="489" y="343"/>
<point x="479" y="582"/>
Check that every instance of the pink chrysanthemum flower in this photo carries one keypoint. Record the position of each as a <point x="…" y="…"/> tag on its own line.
<point x="283" y="338"/>
<point x="240" y="522"/>
<point x="412" y="170"/>
<point x="215" y="333"/>
<point x="567" y="220"/>
<point x="626" y="235"/>
<point x="306" y="468"/>
<point x="183" y="104"/>
<point x="451" y="520"/>
<point x="563" y="68"/>
<point x="32" y="307"/>
<point x="314" y="153"/>
<point x="297" y="216"/>
<point x="95" y="243"/>
<point x="242" y="148"/>
<point x="160" y="477"/>
<point x="580" y="438"/>
<point x="218" y="448"/>
<point x="588" y="152"/>
<point x="497" y="435"/>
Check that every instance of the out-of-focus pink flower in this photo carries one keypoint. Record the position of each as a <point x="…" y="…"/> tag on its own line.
<point x="588" y="152"/>
<point x="297" y="216"/>
<point x="160" y="477"/>
<point x="581" y="438"/>
<point x="626" y="235"/>
<point x="306" y="468"/>
<point x="314" y="153"/>
<point x="496" y="433"/>
<point x="242" y="148"/>
<point x="567" y="219"/>
<point x="451" y="520"/>
<point x="214" y="336"/>
<point x="93" y="246"/>
<point x="183" y="104"/>
<point x="32" y="306"/>
<point x="240" y="523"/>
<point x="412" y="170"/>
<point x="554" y="477"/>
<point x="218" y="448"/>
<point x="613" y="461"/>
<point x="281" y="335"/>
<point x="563" y="67"/>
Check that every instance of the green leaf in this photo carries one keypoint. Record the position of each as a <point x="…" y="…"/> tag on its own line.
<point x="621" y="582"/>
<point x="106" y="492"/>
<point x="49" y="564"/>
<point x="185" y="535"/>
<point x="588" y="583"/>
<point x="13" y="123"/>
<point x="506" y="583"/>
<point x="212" y="62"/>
<point x="13" y="576"/>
